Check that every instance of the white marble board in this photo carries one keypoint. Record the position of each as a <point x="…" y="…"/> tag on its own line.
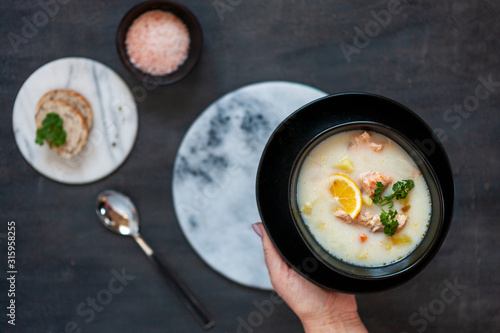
<point x="115" y="120"/>
<point x="215" y="173"/>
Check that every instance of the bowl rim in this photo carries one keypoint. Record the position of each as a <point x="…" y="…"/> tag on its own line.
<point x="195" y="47"/>
<point x="277" y="219"/>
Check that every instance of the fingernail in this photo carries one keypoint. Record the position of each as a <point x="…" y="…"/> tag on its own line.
<point x="257" y="230"/>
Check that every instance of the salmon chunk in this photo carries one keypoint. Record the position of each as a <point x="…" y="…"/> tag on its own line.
<point x="401" y="218"/>
<point x="370" y="221"/>
<point x="365" y="139"/>
<point x="375" y="224"/>
<point x="344" y="216"/>
<point x="368" y="181"/>
<point x="365" y="220"/>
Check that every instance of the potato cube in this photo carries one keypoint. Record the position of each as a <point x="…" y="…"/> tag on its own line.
<point x="307" y="209"/>
<point x="345" y="164"/>
<point x="367" y="200"/>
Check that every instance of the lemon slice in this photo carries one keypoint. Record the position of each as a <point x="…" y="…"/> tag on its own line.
<point x="347" y="193"/>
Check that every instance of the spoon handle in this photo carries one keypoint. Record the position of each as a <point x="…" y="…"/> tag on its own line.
<point x="185" y="295"/>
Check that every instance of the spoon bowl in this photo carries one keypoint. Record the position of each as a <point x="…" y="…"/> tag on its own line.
<point x="118" y="213"/>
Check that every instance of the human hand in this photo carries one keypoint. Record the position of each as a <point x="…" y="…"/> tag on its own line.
<point x="319" y="310"/>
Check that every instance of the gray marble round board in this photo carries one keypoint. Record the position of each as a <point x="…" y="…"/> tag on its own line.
<point x="215" y="173"/>
<point x="114" y="129"/>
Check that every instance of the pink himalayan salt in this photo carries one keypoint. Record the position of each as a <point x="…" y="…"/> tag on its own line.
<point x="157" y="42"/>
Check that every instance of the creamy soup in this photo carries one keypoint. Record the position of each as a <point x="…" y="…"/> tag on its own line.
<point x="373" y="162"/>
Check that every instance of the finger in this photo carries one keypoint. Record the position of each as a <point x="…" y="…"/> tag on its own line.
<point x="275" y="264"/>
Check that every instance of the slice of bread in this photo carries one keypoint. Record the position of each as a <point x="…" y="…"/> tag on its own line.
<point x="73" y="123"/>
<point x="72" y="98"/>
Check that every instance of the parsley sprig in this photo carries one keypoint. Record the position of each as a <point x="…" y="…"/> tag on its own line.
<point x="400" y="189"/>
<point x="389" y="221"/>
<point x="51" y="130"/>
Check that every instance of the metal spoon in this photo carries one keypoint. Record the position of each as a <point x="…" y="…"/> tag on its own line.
<point x="117" y="212"/>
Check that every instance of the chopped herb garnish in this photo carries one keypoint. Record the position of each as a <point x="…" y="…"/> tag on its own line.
<point x="401" y="190"/>
<point x="378" y="193"/>
<point x="389" y="221"/>
<point x="51" y="130"/>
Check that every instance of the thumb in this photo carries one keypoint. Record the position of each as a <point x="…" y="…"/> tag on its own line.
<point x="275" y="264"/>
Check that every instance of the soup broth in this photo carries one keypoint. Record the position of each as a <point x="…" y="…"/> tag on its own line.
<point x="371" y="161"/>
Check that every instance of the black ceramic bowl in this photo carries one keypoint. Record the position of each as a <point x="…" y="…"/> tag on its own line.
<point x="194" y="32"/>
<point x="277" y="181"/>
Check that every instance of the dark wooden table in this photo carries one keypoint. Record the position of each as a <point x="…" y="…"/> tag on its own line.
<point x="429" y="56"/>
